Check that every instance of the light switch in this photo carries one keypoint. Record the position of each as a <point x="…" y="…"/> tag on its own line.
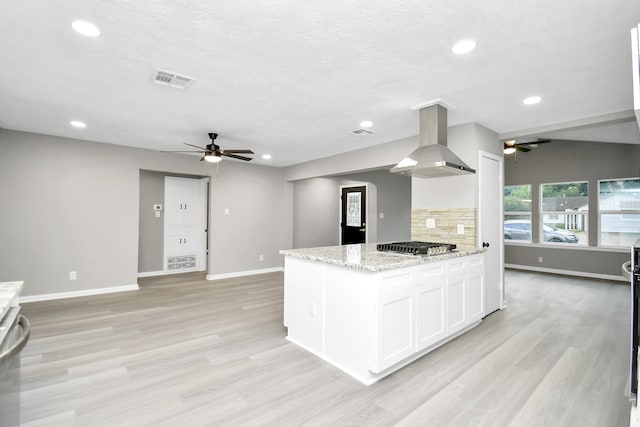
<point x="381" y="215"/>
<point x="157" y="214"/>
<point x="460" y="228"/>
<point x="431" y="223"/>
<point x="226" y="211"/>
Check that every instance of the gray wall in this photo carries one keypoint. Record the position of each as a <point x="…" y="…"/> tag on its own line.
<point x="564" y="161"/>
<point x="75" y="206"/>
<point x="394" y="201"/>
<point x="151" y="232"/>
<point x="316" y="208"/>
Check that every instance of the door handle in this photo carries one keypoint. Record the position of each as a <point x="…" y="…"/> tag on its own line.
<point x="485" y="244"/>
<point x="362" y="229"/>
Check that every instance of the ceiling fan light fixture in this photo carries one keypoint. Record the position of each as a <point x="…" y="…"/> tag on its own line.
<point x="212" y="158"/>
<point x="509" y="150"/>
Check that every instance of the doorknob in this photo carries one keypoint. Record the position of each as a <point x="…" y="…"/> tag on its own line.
<point x="485" y="244"/>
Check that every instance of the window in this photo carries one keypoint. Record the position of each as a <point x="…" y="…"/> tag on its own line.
<point x="565" y="207"/>
<point x="619" y="212"/>
<point x="517" y="213"/>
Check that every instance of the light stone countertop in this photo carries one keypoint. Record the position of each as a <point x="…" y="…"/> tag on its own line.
<point x="366" y="257"/>
<point x="9" y="293"/>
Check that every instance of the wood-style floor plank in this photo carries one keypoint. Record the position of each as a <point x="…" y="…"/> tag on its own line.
<point x="190" y="352"/>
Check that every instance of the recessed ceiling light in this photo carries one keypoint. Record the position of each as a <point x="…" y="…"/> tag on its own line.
<point x="366" y="124"/>
<point x="463" y="46"/>
<point x="266" y="156"/>
<point x="78" y="124"/>
<point x="86" y="28"/>
<point x="531" y="100"/>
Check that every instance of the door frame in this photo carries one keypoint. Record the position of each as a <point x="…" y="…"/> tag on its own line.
<point x="500" y="160"/>
<point x="367" y="217"/>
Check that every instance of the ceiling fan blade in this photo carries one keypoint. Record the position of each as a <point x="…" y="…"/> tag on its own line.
<point x="247" y="159"/>
<point x="195" y="146"/>
<point x="181" y="151"/>
<point x="237" y="151"/>
<point x="523" y="149"/>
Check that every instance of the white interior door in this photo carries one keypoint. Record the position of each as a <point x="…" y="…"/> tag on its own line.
<point x="490" y="235"/>
<point x="184" y="225"/>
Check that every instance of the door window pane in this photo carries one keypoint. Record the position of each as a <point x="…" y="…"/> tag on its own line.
<point x="517" y="213"/>
<point x="565" y="209"/>
<point x="353" y="209"/>
<point x="619" y="210"/>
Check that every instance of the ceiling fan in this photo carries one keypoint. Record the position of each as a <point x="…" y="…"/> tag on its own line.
<point x="513" y="145"/>
<point x="213" y="153"/>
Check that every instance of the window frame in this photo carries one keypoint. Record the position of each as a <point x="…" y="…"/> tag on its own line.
<point x="519" y="214"/>
<point x="601" y="212"/>
<point x="543" y="213"/>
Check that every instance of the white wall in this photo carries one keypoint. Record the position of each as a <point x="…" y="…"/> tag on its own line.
<point x="73" y="205"/>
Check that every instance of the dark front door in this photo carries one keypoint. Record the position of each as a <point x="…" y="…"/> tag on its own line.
<point x="353" y="222"/>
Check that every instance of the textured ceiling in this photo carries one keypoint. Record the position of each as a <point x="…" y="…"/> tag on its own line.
<point x="294" y="78"/>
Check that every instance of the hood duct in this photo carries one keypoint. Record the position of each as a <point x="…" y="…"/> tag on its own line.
<point x="432" y="158"/>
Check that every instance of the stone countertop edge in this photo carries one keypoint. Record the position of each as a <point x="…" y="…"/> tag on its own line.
<point x="366" y="257"/>
<point x="9" y="293"/>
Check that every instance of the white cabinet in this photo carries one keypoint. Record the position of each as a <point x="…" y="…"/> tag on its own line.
<point x="369" y="324"/>
<point x="396" y="338"/>
<point x="475" y="288"/>
<point x="430" y="299"/>
<point x="456" y="294"/>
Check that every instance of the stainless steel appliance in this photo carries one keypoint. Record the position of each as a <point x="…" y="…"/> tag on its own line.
<point x="634" y="273"/>
<point x="14" y="334"/>
<point x="417" y="248"/>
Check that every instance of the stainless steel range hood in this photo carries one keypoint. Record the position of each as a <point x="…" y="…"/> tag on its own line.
<point x="432" y="158"/>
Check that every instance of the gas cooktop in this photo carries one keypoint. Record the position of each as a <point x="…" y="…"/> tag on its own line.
<point x="417" y="248"/>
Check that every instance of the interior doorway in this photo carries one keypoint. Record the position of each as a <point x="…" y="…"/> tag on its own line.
<point x="353" y="217"/>
<point x="154" y="208"/>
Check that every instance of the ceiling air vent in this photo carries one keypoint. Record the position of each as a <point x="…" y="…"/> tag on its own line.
<point x="361" y="132"/>
<point x="167" y="78"/>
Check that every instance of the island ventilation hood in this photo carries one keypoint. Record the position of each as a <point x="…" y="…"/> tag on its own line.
<point x="432" y="159"/>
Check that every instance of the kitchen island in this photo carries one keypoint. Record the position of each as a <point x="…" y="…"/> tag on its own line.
<point x="370" y="313"/>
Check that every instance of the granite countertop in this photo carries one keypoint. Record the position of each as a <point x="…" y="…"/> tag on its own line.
<point x="9" y="293"/>
<point x="366" y="257"/>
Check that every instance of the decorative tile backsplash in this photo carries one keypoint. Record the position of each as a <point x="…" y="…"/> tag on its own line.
<point x="446" y="226"/>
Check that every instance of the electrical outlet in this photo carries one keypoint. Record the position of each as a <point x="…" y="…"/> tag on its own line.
<point x="261" y="258"/>
<point x="431" y="223"/>
<point x="460" y="228"/>
<point x="226" y="211"/>
<point x="73" y="275"/>
<point x="540" y="259"/>
<point x="381" y="215"/>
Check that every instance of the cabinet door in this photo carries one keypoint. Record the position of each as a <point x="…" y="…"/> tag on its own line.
<point x="430" y="299"/>
<point x="456" y="297"/>
<point x="395" y="321"/>
<point x="475" y="289"/>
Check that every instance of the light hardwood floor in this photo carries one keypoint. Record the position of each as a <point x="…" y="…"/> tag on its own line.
<point x="183" y="351"/>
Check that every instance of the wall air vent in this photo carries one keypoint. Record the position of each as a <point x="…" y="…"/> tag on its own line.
<point x="361" y="132"/>
<point x="167" y="78"/>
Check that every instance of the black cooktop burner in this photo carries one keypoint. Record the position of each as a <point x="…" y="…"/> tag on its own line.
<point x="417" y="248"/>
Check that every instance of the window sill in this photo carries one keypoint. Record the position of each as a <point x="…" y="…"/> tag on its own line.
<point x="569" y="246"/>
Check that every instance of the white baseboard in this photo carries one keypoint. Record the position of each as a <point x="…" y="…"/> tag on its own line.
<point x="567" y="272"/>
<point x="243" y="273"/>
<point x="166" y="273"/>
<point x="73" y="294"/>
<point x="151" y="273"/>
